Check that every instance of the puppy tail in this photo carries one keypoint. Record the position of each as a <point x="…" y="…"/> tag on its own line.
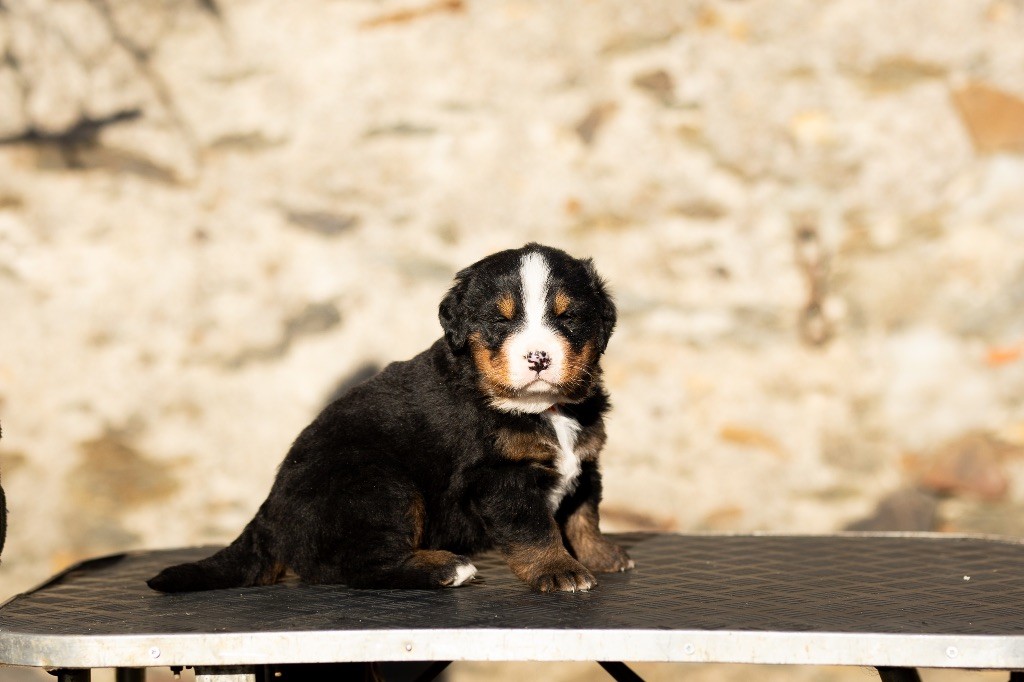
<point x="243" y="563"/>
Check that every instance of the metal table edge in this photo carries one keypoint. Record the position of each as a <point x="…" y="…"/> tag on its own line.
<point x="669" y="646"/>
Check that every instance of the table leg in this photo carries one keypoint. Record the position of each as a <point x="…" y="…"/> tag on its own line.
<point x="433" y="671"/>
<point x="225" y="673"/>
<point x="130" y="675"/>
<point x="620" y="672"/>
<point x="71" y="675"/>
<point x="899" y="675"/>
<point x="319" y="672"/>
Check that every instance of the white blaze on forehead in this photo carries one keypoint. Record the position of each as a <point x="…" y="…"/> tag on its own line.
<point x="534" y="273"/>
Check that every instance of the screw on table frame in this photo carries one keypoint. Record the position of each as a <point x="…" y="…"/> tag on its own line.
<point x="620" y="672"/>
<point x="899" y="675"/>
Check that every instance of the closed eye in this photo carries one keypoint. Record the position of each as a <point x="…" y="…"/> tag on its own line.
<point x="506" y="308"/>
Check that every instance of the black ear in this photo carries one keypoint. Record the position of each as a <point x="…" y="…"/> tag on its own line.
<point x="606" y="306"/>
<point x="453" y="312"/>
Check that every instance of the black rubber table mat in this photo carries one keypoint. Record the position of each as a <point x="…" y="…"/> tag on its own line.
<point x="866" y="584"/>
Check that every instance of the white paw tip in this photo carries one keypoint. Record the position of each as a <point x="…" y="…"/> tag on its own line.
<point x="463" y="573"/>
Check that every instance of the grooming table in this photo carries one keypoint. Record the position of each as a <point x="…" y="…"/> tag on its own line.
<point x="891" y="601"/>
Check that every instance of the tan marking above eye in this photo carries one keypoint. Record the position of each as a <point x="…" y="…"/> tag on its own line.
<point x="507" y="306"/>
<point x="562" y="302"/>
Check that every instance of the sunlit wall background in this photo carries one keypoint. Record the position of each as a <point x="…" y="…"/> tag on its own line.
<point x="213" y="213"/>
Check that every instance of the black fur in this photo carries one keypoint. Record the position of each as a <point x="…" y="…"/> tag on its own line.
<point x="410" y="461"/>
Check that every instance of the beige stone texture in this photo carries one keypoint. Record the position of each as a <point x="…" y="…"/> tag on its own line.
<point x="811" y="215"/>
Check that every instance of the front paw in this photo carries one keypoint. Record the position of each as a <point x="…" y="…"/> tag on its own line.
<point x="563" y="577"/>
<point x="605" y="557"/>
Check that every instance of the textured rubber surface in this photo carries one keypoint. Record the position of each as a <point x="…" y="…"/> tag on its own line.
<point x="844" y="584"/>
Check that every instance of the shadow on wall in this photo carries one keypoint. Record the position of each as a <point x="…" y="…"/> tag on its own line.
<point x="362" y="373"/>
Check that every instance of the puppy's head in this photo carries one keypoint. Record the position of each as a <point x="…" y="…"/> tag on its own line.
<point x="534" y="322"/>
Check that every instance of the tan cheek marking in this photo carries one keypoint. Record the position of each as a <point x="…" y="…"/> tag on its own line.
<point x="576" y="364"/>
<point x="562" y="302"/>
<point x="493" y="366"/>
<point x="507" y="306"/>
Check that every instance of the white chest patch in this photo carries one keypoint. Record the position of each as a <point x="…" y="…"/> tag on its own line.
<point x="566" y="461"/>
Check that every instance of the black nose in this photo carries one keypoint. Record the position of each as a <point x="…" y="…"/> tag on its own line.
<point x="538" y="360"/>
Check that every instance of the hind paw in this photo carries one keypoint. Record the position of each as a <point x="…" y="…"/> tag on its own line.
<point x="463" y="572"/>
<point x="431" y="568"/>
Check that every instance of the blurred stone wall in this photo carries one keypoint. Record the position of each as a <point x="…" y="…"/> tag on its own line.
<point x="811" y="213"/>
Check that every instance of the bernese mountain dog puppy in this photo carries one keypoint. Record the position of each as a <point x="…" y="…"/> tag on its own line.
<point x="488" y="439"/>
